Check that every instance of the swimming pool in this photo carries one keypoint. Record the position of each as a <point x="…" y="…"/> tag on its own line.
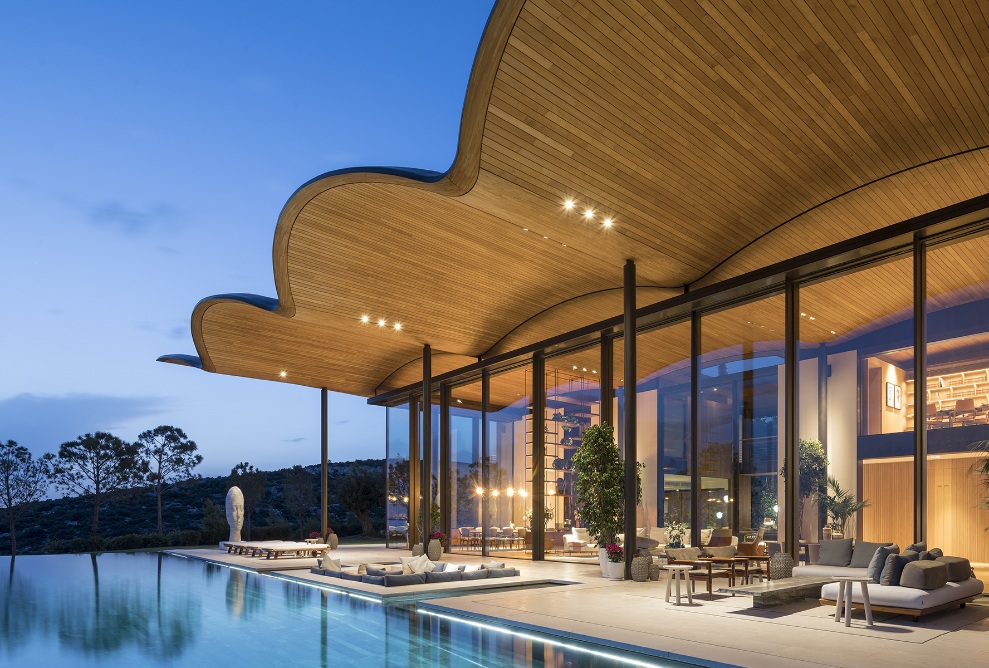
<point x="153" y="609"/>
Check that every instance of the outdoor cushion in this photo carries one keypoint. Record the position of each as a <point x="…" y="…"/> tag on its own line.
<point x="501" y="572"/>
<point x="494" y="564"/>
<point x="347" y="575"/>
<point x="959" y="569"/>
<point x="373" y="579"/>
<point x="374" y="570"/>
<point x="441" y="576"/>
<point x="420" y="564"/>
<point x="837" y="553"/>
<point x="332" y="574"/>
<point x="724" y="551"/>
<point x="863" y="553"/>
<point x="683" y="553"/>
<point x="479" y="574"/>
<point x="818" y="571"/>
<point x="472" y="567"/>
<point x="405" y="579"/>
<point x="917" y="547"/>
<point x="924" y="574"/>
<point x="331" y="565"/>
<point x="878" y="562"/>
<point x="908" y="597"/>
<point x="894" y="567"/>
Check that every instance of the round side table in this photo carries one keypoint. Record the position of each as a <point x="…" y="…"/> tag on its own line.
<point x="845" y="596"/>
<point x="678" y="572"/>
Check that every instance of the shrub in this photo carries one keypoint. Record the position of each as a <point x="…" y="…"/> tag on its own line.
<point x="154" y="540"/>
<point x="183" y="538"/>
<point x="129" y="541"/>
<point x="56" y="546"/>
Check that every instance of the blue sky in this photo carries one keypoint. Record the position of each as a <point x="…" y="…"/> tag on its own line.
<point x="145" y="153"/>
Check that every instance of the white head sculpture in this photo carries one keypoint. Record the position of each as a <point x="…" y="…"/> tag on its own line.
<point x="235" y="512"/>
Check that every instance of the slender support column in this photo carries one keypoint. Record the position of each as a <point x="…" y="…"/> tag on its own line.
<point x="919" y="385"/>
<point x="323" y="458"/>
<point x="607" y="379"/>
<point x="695" y="410"/>
<point x="485" y="458"/>
<point x="445" y="465"/>
<point x="415" y="471"/>
<point x="538" y="403"/>
<point x="790" y="439"/>
<point x="631" y="454"/>
<point x="427" y="444"/>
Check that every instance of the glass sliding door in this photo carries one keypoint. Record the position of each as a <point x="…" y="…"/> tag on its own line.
<point x="741" y="394"/>
<point x="398" y="483"/>
<point x="857" y="404"/>
<point x="957" y="399"/>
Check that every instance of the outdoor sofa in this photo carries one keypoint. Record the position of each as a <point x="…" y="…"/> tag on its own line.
<point x="415" y="572"/>
<point x="917" y="582"/>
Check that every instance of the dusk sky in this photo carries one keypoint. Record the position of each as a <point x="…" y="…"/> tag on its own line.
<point x="146" y="151"/>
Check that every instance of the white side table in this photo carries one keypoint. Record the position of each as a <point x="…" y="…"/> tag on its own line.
<point x="678" y="572"/>
<point x="845" y="596"/>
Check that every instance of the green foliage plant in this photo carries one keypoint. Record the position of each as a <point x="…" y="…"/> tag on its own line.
<point x="981" y="469"/>
<point x="23" y="480"/>
<point x="600" y="484"/>
<point x="812" y="473"/>
<point x="359" y="491"/>
<point x="298" y="494"/>
<point x="98" y="464"/>
<point x="170" y="456"/>
<point x="840" y="505"/>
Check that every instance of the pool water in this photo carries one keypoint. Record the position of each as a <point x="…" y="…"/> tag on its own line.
<point x="153" y="609"/>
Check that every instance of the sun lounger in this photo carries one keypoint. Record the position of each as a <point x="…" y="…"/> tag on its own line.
<point x="300" y="549"/>
<point x="247" y="546"/>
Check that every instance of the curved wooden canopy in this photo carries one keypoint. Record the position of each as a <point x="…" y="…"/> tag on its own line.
<point x="719" y="137"/>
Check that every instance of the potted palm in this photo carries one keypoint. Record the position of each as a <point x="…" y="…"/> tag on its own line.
<point x="599" y="488"/>
<point x="840" y="505"/>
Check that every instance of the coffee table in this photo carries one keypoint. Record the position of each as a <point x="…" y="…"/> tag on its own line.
<point x="778" y="592"/>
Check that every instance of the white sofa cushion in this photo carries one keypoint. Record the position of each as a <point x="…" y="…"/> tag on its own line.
<point x="818" y="571"/>
<point x="908" y="597"/>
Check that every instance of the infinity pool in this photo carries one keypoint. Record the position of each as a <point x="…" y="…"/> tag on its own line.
<point x="152" y="609"/>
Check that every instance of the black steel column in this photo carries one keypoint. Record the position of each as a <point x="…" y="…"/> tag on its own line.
<point x="607" y="379"/>
<point x="445" y="472"/>
<point x="427" y="444"/>
<point x="695" y="411"/>
<point x="538" y="403"/>
<point x="631" y="455"/>
<point x="323" y="457"/>
<point x="919" y="388"/>
<point x="485" y="457"/>
<point x="414" y="472"/>
<point x="790" y="438"/>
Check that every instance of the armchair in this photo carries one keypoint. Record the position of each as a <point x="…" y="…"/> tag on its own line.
<point x="577" y="539"/>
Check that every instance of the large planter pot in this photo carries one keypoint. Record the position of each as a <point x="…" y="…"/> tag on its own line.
<point x="417" y="550"/>
<point x="640" y="568"/>
<point x="613" y="570"/>
<point x="434" y="550"/>
<point x="333" y="541"/>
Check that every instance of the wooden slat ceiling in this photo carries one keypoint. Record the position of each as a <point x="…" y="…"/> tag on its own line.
<point x="721" y="138"/>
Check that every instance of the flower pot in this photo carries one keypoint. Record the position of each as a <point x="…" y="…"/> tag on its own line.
<point x="434" y="550"/>
<point x="417" y="549"/>
<point x="333" y="540"/>
<point x="640" y="568"/>
<point x="613" y="570"/>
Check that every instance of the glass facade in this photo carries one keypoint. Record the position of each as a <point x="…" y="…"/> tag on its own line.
<point x="862" y="406"/>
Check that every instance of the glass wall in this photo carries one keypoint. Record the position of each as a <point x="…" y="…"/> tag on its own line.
<point x="573" y="403"/>
<point x="465" y="467"/>
<point x="663" y="425"/>
<point x="399" y="490"/>
<point x="740" y="452"/>
<point x="507" y="491"/>
<point x="957" y="398"/>
<point x="856" y="404"/>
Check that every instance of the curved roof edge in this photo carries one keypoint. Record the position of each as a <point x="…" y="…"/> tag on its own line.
<point x="182" y="360"/>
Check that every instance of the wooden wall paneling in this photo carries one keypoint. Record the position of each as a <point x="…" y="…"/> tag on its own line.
<point x="888" y="486"/>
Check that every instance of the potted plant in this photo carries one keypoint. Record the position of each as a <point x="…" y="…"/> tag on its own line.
<point x="599" y="488"/>
<point x="332" y="539"/>
<point x="614" y="568"/>
<point x="812" y="474"/>
<point x="840" y="505"/>
<point x="675" y="533"/>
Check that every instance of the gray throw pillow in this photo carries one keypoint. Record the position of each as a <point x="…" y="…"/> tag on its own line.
<point x="934" y="553"/>
<point x="924" y="574"/>
<point x="376" y="572"/>
<point x="509" y="572"/>
<point x="443" y="576"/>
<point x="878" y="562"/>
<point x="917" y="547"/>
<point x="479" y="574"/>
<point x="373" y="579"/>
<point x="405" y="579"/>
<point x="894" y="567"/>
<point x="836" y="552"/>
<point x="863" y="553"/>
<point x="348" y="575"/>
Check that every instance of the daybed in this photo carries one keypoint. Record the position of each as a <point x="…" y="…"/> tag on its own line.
<point x="917" y="582"/>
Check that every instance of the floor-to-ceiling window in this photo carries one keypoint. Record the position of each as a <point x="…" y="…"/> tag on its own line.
<point x="465" y="467"/>
<point x="398" y="482"/>
<point x="507" y="488"/>
<point x="741" y="399"/>
<point x="856" y="403"/>
<point x="955" y="402"/>
<point x="573" y="403"/>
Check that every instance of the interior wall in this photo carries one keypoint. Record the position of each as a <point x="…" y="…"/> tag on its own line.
<point x="842" y="424"/>
<point x="955" y="522"/>
<point x="888" y="485"/>
<point x="647" y="446"/>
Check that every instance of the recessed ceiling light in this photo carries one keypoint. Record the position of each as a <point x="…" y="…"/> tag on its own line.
<point x="568" y="205"/>
<point x="564" y="245"/>
<point x="812" y="317"/>
<point x="608" y="222"/>
<point x="381" y="322"/>
<point x="460" y="401"/>
<point x="525" y="229"/>
<point x="398" y="326"/>
<point x="585" y="368"/>
<point x="833" y="332"/>
<point x="365" y="318"/>
<point x="803" y="315"/>
<point x="545" y="237"/>
<point x="594" y="371"/>
<point x="574" y="367"/>
<point x="588" y="214"/>
<point x="283" y="373"/>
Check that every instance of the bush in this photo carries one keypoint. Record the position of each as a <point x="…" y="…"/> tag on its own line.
<point x="130" y="541"/>
<point x="56" y="546"/>
<point x="278" y="532"/>
<point x="183" y="538"/>
<point x="154" y="540"/>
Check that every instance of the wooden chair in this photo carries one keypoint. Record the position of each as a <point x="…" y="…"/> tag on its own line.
<point x="964" y="411"/>
<point x="755" y="547"/>
<point x="936" y="418"/>
<point x="705" y="570"/>
<point x="720" y="538"/>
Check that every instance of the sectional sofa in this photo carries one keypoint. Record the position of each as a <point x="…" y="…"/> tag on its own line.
<point x="398" y="576"/>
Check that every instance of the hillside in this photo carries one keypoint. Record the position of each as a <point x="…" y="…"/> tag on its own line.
<point x="129" y="519"/>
